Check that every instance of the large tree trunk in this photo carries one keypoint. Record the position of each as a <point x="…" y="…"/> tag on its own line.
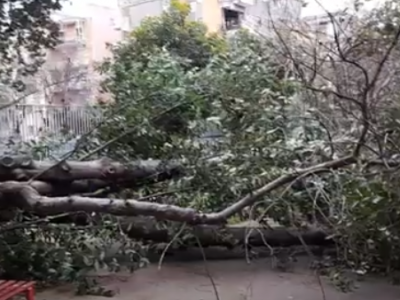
<point x="48" y="189"/>
<point x="26" y="184"/>
<point x="229" y="236"/>
<point x="23" y="182"/>
<point x="23" y="168"/>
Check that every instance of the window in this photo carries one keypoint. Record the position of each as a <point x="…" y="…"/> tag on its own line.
<point x="62" y="35"/>
<point x="232" y="19"/>
<point x="79" y="32"/>
<point x="193" y="7"/>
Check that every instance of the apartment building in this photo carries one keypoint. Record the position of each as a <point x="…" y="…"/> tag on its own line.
<point x="262" y="17"/>
<point x="69" y="75"/>
<point x="68" y="81"/>
<point x="218" y="15"/>
<point x="134" y="11"/>
<point x="326" y="26"/>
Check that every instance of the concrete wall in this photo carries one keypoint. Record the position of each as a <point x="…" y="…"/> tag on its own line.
<point x="274" y="10"/>
<point x="86" y="34"/>
<point x="264" y="16"/>
<point x="207" y="11"/>
<point x="142" y="9"/>
<point x="341" y="24"/>
<point x="212" y="15"/>
<point x="104" y="28"/>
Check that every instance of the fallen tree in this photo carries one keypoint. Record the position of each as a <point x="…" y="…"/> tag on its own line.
<point x="276" y="155"/>
<point x="23" y="168"/>
<point x="32" y="195"/>
<point x="268" y="145"/>
<point x="250" y="234"/>
<point x="26" y="195"/>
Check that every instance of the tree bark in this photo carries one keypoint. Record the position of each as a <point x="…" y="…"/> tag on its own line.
<point x="228" y="236"/>
<point x="27" y="198"/>
<point x="68" y="188"/>
<point x="23" y="168"/>
<point x="22" y="189"/>
<point x="24" y="196"/>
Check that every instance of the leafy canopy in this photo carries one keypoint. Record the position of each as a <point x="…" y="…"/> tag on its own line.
<point x="154" y="72"/>
<point x="263" y="125"/>
<point x="236" y="118"/>
<point x="174" y="32"/>
<point x="167" y="111"/>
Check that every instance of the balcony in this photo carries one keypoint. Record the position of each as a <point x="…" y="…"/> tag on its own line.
<point x="71" y="42"/>
<point x="128" y="3"/>
<point x="58" y="63"/>
<point x="69" y="78"/>
<point x="78" y="85"/>
<point x="72" y="33"/>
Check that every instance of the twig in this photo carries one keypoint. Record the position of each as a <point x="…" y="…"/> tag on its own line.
<point x="34" y="222"/>
<point x="312" y="256"/>
<point x="203" y="254"/>
<point x="157" y="195"/>
<point x="175" y="237"/>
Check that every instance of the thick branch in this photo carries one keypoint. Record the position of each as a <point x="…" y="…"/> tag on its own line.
<point x="24" y="196"/>
<point x="228" y="236"/>
<point x="71" y="188"/>
<point x="280" y="181"/>
<point x="28" y="198"/>
<point x="24" y="168"/>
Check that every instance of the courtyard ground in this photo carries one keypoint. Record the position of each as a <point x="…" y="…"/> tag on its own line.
<point x="234" y="280"/>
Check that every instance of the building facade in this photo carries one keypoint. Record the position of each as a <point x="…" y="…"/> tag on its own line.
<point x="56" y="97"/>
<point x="263" y="17"/>
<point x="218" y="15"/>
<point x="69" y="75"/>
<point x="326" y="26"/>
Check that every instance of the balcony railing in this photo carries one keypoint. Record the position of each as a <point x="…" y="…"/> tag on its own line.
<point x="72" y="42"/>
<point x="30" y="122"/>
<point x="80" y="84"/>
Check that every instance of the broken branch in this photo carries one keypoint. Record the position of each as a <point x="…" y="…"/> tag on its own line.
<point x="22" y="168"/>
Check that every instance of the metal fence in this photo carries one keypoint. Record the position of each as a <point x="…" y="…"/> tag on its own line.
<point x="25" y="123"/>
<point x="30" y="122"/>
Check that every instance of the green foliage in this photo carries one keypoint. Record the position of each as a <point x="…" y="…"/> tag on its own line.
<point x="152" y="77"/>
<point x="151" y="103"/>
<point x="237" y="94"/>
<point x="173" y="32"/>
<point x="366" y="223"/>
<point x="154" y="73"/>
<point x="52" y="253"/>
<point x="264" y="129"/>
<point x="237" y="119"/>
<point x="27" y="29"/>
<point x="68" y="247"/>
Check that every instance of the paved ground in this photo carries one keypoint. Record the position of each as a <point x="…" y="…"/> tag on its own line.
<point x="235" y="280"/>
